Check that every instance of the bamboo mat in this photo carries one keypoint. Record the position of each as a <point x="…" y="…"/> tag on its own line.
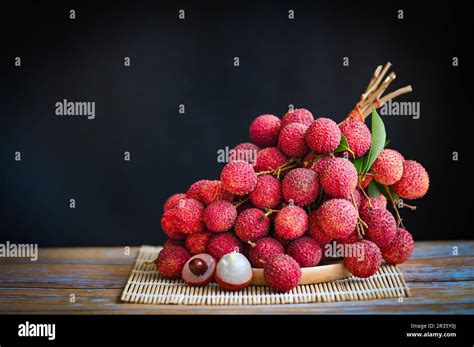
<point x="146" y="286"/>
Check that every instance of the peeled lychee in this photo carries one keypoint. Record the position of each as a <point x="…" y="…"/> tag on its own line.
<point x="212" y="191"/>
<point x="365" y="259"/>
<point x="252" y="224"/>
<point x="381" y="226"/>
<point x="194" y="191"/>
<point x="220" y="216"/>
<point x="245" y="151"/>
<point x="173" y="201"/>
<point x="292" y="140"/>
<point x="238" y="177"/>
<point x="323" y="136"/>
<point x="188" y="216"/>
<point x="400" y="248"/>
<point x="300" y="185"/>
<point x="197" y="243"/>
<point x="337" y="217"/>
<point x="315" y="231"/>
<point x="233" y="271"/>
<point x="263" y="249"/>
<point x="299" y="115"/>
<point x="269" y="159"/>
<point x="267" y="193"/>
<point x="339" y="178"/>
<point x="306" y="251"/>
<point x="264" y="130"/>
<point x="223" y="243"/>
<point x="291" y="222"/>
<point x="357" y="135"/>
<point x="414" y="182"/>
<point x="388" y="167"/>
<point x="170" y="261"/>
<point x="282" y="273"/>
<point x="199" y="270"/>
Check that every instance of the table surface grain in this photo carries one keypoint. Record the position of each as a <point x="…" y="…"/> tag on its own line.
<point x="440" y="275"/>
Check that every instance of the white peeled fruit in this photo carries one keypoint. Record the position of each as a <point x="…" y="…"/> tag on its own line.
<point x="233" y="271"/>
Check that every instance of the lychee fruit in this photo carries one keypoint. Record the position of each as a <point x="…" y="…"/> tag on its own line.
<point x="365" y="181"/>
<point x="357" y="135"/>
<point x="238" y="177"/>
<point x="264" y="130"/>
<point x="388" y="167"/>
<point x="188" y="216"/>
<point x="267" y="192"/>
<point x="306" y="251"/>
<point x="233" y="271"/>
<point x="375" y="202"/>
<point x="339" y="178"/>
<point x="199" y="270"/>
<point x="252" y="224"/>
<point x="300" y="185"/>
<point x="337" y="217"/>
<point x="400" y="248"/>
<point x="173" y="201"/>
<point x="365" y="260"/>
<point x="223" y="243"/>
<point x="291" y="140"/>
<point x="212" y="191"/>
<point x="282" y="273"/>
<point x="414" y="182"/>
<point x="170" y="261"/>
<point x="321" y="164"/>
<point x="323" y="136"/>
<point x="197" y="243"/>
<point x="220" y="216"/>
<point x="194" y="191"/>
<point x="299" y="115"/>
<point x="263" y="249"/>
<point x="245" y="151"/>
<point x="269" y="159"/>
<point x="315" y="231"/>
<point x="381" y="226"/>
<point x="170" y="243"/>
<point x="169" y="227"/>
<point x="291" y="222"/>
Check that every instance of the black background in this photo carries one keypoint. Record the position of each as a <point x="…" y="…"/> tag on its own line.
<point x="282" y="62"/>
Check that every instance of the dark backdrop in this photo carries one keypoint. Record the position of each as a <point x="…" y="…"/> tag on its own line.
<point x="282" y="62"/>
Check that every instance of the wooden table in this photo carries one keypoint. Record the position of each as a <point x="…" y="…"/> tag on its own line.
<point x="440" y="282"/>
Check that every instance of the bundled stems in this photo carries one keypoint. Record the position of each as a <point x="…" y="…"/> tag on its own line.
<point x="394" y="205"/>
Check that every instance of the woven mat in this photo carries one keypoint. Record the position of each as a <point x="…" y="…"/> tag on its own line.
<point x="146" y="286"/>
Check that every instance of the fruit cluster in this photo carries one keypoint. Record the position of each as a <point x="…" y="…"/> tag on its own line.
<point x="313" y="183"/>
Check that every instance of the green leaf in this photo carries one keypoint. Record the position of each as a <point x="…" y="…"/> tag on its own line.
<point x="359" y="164"/>
<point x="343" y="145"/>
<point x="373" y="189"/>
<point x="378" y="140"/>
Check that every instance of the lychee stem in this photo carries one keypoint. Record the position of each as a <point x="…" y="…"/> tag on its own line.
<point x="252" y="244"/>
<point x="394" y="205"/>
<point x="411" y="207"/>
<point x="366" y="196"/>
<point x="269" y="211"/>
<point x="239" y="203"/>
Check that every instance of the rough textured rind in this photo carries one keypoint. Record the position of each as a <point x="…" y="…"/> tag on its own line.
<point x="388" y="167"/>
<point x="238" y="177"/>
<point x="292" y="140"/>
<point x="246" y="151"/>
<point x="339" y="178"/>
<point x="315" y="231"/>
<point x="267" y="192"/>
<point x="400" y="248"/>
<point x="370" y="262"/>
<point x="414" y="182"/>
<point x="357" y="135"/>
<point x="323" y="136"/>
<point x="264" y="130"/>
<point x="269" y="159"/>
<point x="197" y="243"/>
<point x="282" y="273"/>
<point x="220" y="216"/>
<point x="223" y="243"/>
<point x="252" y="224"/>
<point x="173" y="201"/>
<point x="306" y="251"/>
<point x="194" y="191"/>
<point x="300" y="185"/>
<point x="188" y="216"/>
<point x="263" y="249"/>
<point x="381" y="226"/>
<point x="170" y="243"/>
<point x="321" y="164"/>
<point x="298" y="115"/>
<point x="337" y="217"/>
<point x="212" y="191"/>
<point x="291" y="222"/>
<point x="169" y="227"/>
<point x="376" y="202"/>
<point x="170" y="261"/>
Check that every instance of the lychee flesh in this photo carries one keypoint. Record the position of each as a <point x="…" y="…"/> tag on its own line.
<point x="197" y="243"/>
<point x="414" y="182"/>
<point x="220" y="216"/>
<point x="357" y="135"/>
<point x="199" y="270"/>
<point x="188" y="216"/>
<point x="245" y="151"/>
<point x="251" y="225"/>
<point x="233" y="271"/>
<point x="212" y="191"/>
<point x="291" y="140"/>
<point x="269" y="159"/>
<point x="388" y="167"/>
<point x="263" y="249"/>
<point x="300" y="185"/>
<point x="291" y="222"/>
<point x="400" y="248"/>
<point x="381" y="226"/>
<point x="339" y="178"/>
<point x="337" y="217"/>
<point x="264" y="130"/>
<point x="365" y="260"/>
<point x="223" y="243"/>
<point x="306" y="251"/>
<point x="173" y="200"/>
<point x="267" y="192"/>
<point x="299" y="115"/>
<point x="323" y="136"/>
<point x="194" y="191"/>
<point x="170" y="261"/>
<point x="282" y="273"/>
<point x="315" y="231"/>
<point x="238" y="177"/>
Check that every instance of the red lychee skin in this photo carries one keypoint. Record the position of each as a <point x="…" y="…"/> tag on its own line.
<point x="323" y="136"/>
<point x="337" y="217"/>
<point x="339" y="178"/>
<point x="376" y="202"/>
<point x="357" y="135"/>
<point x="267" y="193"/>
<point x="364" y="182"/>
<point x="238" y="177"/>
<point x="298" y="115"/>
<point x="414" y="182"/>
<point x="264" y="130"/>
<point x="263" y="249"/>
<point x="197" y="243"/>
<point x="173" y="201"/>
<point x="300" y="185"/>
<point x="356" y="194"/>
<point x="315" y="231"/>
<point x="188" y="216"/>
<point x="269" y="159"/>
<point x="212" y="191"/>
<point x="400" y="248"/>
<point x="194" y="191"/>
<point x="172" y="243"/>
<point x="292" y="140"/>
<point x="169" y="227"/>
<point x="353" y="237"/>
<point x="220" y="216"/>
<point x="232" y="287"/>
<point x="388" y="167"/>
<point x="282" y="273"/>
<point x="170" y="261"/>
<point x="381" y="226"/>
<point x="321" y="164"/>
<point x="306" y="251"/>
<point x="223" y="243"/>
<point x="245" y="151"/>
<point x="251" y="225"/>
<point x="370" y="262"/>
<point x="291" y="222"/>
